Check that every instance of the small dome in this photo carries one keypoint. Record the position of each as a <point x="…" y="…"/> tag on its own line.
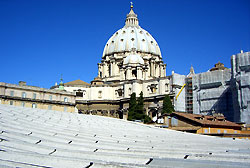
<point x="133" y="59"/>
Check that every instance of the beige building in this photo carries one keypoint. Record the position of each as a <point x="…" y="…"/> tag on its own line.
<point x="131" y="62"/>
<point x="36" y="97"/>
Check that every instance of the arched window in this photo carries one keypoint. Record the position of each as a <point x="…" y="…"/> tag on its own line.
<point x="129" y="91"/>
<point x="23" y="95"/>
<point x="100" y="94"/>
<point x="125" y="75"/>
<point x="50" y="107"/>
<point x="34" y="96"/>
<point x="134" y="73"/>
<point x="34" y="105"/>
<point x="65" y="99"/>
<point x="12" y="93"/>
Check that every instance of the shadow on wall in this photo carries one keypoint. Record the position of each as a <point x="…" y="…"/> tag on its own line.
<point x="224" y="105"/>
<point x="235" y="98"/>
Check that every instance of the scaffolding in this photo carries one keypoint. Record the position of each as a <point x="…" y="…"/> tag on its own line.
<point x="189" y="95"/>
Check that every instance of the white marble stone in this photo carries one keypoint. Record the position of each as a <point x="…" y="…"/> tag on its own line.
<point x="34" y="137"/>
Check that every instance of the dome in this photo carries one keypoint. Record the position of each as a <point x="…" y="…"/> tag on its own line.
<point x="133" y="59"/>
<point x="131" y="36"/>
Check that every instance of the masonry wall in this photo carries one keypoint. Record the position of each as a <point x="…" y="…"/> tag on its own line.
<point x="212" y="93"/>
<point x="35" y="97"/>
<point x="241" y="86"/>
<point x="46" y="106"/>
<point x="209" y="130"/>
<point x="177" y="81"/>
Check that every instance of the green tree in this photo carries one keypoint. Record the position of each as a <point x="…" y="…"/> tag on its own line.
<point x="132" y="107"/>
<point x="140" y="105"/>
<point x="136" y="109"/>
<point x="167" y="105"/>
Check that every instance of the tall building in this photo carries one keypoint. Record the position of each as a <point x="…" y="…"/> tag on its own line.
<point x="240" y="84"/>
<point x="225" y="91"/>
<point x="212" y="92"/>
<point x="131" y="62"/>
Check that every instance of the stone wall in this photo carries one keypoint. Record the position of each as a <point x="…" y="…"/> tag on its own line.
<point x="241" y="86"/>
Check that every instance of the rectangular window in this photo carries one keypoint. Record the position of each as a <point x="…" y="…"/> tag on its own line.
<point x="23" y="95"/>
<point x="225" y="131"/>
<point x="50" y="97"/>
<point x="34" y="96"/>
<point x="65" y="109"/>
<point x="166" y="87"/>
<point x="205" y="130"/>
<point x="50" y="107"/>
<point x="100" y="94"/>
<point x="23" y="104"/>
<point x="79" y="94"/>
<point x="218" y="131"/>
<point x="12" y="93"/>
<point x="11" y="102"/>
<point x="65" y="99"/>
<point x="34" y="105"/>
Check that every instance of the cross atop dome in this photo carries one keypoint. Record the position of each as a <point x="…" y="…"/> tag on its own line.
<point x="131" y="19"/>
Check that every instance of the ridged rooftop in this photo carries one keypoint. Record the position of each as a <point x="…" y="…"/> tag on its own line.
<point x="44" y="138"/>
<point x="131" y="36"/>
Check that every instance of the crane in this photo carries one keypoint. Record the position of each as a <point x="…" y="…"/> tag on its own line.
<point x="180" y="91"/>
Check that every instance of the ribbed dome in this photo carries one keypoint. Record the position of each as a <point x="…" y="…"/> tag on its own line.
<point x="133" y="59"/>
<point x="131" y="36"/>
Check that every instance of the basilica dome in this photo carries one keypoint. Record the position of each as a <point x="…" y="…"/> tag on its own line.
<point x="131" y="36"/>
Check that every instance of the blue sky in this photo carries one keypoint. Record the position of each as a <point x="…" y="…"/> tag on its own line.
<point x="42" y="39"/>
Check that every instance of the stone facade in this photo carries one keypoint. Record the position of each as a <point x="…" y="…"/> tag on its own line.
<point x="240" y="84"/>
<point x="212" y="93"/>
<point x="223" y="90"/>
<point x="131" y="62"/>
<point x="36" y="97"/>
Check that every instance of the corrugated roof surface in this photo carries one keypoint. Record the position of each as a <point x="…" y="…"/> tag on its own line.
<point x="44" y="138"/>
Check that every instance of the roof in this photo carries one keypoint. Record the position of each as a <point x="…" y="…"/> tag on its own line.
<point x="203" y="120"/>
<point x="131" y="36"/>
<point x="76" y="82"/>
<point x="218" y="66"/>
<point x="46" y="138"/>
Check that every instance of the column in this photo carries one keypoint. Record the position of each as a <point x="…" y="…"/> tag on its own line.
<point x="129" y="73"/>
<point x="157" y="69"/>
<point x="105" y="71"/>
<point x="122" y="76"/>
<point x="139" y="73"/>
<point x="112" y="68"/>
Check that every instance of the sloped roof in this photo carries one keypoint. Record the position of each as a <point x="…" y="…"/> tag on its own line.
<point x="218" y="66"/>
<point x="45" y="138"/>
<point x="76" y="82"/>
<point x="204" y="120"/>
